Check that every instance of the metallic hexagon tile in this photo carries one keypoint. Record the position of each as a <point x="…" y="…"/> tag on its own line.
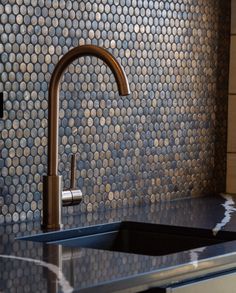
<point x="161" y="142"/>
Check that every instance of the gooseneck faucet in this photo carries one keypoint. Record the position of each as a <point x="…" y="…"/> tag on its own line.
<point x="53" y="197"/>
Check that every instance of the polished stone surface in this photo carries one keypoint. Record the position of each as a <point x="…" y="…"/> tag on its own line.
<point x="33" y="267"/>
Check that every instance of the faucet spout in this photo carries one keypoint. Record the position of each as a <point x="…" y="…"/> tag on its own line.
<point x="53" y="110"/>
<point x="52" y="182"/>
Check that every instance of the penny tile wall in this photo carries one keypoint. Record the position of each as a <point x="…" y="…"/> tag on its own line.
<point x="166" y="140"/>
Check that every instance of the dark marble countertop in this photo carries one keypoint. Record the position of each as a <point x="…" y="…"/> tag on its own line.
<point x="27" y="266"/>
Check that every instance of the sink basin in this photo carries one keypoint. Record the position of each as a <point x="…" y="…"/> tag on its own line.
<point x="134" y="237"/>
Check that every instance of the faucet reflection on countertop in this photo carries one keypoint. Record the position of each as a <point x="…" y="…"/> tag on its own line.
<point x="53" y="196"/>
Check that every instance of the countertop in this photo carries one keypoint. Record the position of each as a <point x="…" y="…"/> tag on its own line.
<point x="27" y="266"/>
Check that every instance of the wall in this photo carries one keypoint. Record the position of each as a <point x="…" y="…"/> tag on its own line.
<point x="231" y="148"/>
<point x="166" y="140"/>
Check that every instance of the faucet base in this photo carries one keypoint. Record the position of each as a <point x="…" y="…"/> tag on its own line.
<point x="52" y="194"/>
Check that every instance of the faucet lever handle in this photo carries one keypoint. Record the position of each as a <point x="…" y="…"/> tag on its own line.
<point x="73" y="172"/>
<point x="72" y="196"/>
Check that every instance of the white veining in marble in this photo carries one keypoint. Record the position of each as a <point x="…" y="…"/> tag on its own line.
<point x="65" y="285"/>
<point x="194" y="254"/>
<point x="229" y="206"/>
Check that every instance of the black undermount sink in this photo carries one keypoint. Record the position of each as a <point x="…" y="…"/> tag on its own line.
<point x="134" y="237"/>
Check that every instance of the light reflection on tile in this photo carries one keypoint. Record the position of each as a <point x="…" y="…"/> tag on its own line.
<point x="162" y="142"/>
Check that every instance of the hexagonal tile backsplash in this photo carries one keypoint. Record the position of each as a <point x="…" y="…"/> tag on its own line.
<point x="166" y="140"/>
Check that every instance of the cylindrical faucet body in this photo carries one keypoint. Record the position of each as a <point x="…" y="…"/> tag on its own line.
<point x="52" y="183"/>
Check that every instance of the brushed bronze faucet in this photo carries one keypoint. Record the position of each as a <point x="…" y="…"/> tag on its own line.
<point x="53" y="197"/>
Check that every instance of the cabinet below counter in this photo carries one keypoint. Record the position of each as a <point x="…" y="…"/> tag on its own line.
<point x="223" y="283"/>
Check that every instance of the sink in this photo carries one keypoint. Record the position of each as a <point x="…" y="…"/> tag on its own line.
<point x="135" y="237"/>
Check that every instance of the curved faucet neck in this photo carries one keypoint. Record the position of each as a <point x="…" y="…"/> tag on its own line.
<point x="53" y="107"/>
